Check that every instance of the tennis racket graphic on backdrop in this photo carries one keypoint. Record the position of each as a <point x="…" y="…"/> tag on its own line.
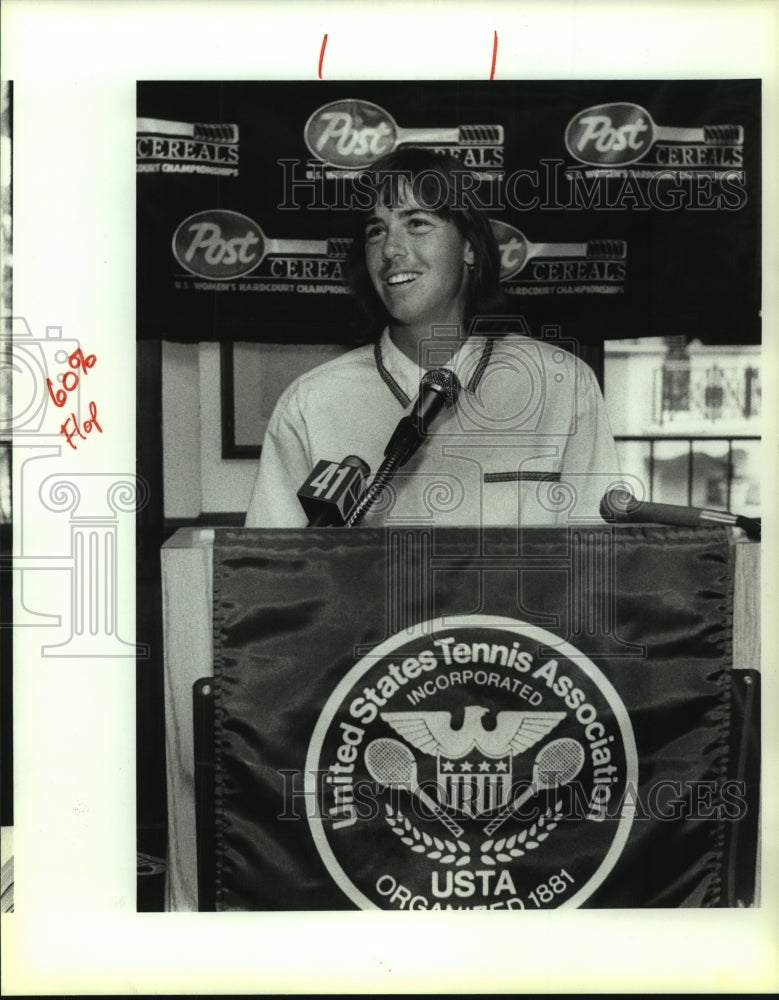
<point x="391" y="763"/>
<point x="516" y="251"/>
<point x="621" y="133"/>
<point x="219" y="244"/>
<point x="351" y="133"/>
<point x="557" y="763"/>
<point x="188" y="130"/>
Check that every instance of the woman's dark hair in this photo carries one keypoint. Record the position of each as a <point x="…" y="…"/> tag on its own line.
<point x="442" y="185"/>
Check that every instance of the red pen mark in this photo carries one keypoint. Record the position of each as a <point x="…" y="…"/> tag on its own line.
<point x="78" y="360"/>
<point x="494" y="55"/>
<point x="322" y="55"/>
<point x="81" y="362"/>
<point x="88" y="426"/>
<point x="70" y="380"/>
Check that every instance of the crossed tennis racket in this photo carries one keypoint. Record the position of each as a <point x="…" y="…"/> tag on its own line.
<point x="392" y="764"/>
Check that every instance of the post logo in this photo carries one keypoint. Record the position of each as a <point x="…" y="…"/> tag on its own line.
<point x="218" y="244"/>
<point x="609" y="134"/>
<point x="352" y="134"/>
<point x="593" y="256"/>
<point x="513" y="248"/>
<point x="614" y="135"/>
<point x="472" y="763"/>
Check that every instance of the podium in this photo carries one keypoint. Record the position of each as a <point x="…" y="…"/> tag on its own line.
<point x="443" y="719"/>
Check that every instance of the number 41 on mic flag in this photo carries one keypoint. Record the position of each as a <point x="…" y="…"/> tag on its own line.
<point x="331" y="491"/>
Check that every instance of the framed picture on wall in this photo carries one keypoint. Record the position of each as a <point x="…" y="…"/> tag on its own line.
<point x="252" y="377"/>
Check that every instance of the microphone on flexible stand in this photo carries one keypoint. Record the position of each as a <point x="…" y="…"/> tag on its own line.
<point x="621" y="505"/>
<point x="438" y="389"/>
<point x="332" y="490"/>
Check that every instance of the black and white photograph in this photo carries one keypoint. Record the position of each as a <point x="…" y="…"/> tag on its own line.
<point x="384" y="720"/>
<point x="384" y="475"/>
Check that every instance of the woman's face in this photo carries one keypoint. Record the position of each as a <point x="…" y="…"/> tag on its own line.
<point x="417" y="262"/>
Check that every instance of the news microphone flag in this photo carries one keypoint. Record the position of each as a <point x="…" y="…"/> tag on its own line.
<point x="332" y="490"/>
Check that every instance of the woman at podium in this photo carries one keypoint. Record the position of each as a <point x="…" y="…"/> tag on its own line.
<point x="497" y="427"/>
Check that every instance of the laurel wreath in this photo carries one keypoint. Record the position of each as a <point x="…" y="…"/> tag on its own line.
<point x="518" y="844"/>
<point x="446" y="852"/>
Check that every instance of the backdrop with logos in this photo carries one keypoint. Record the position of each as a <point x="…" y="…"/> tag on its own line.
<point x="622" y="208"/>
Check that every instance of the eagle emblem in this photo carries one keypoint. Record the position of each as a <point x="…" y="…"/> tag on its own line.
<point x="474" y="764"/>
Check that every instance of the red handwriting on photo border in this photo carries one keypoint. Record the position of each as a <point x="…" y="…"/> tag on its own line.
<point x="78" y="361"/>
<point x="492" y="67"/>
<point x="322" y="55"/>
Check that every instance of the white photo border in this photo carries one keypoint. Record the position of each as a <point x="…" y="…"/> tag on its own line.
<point x="74" y="66"/>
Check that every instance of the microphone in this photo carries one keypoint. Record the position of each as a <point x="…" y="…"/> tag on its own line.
<point x="439" y="388"/>
<point x="621" y="505"/>
<point x="332" y="490"/>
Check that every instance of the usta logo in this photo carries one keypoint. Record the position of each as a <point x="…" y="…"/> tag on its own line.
<point x="610" y="134"/>
<point x="218" y="244"/>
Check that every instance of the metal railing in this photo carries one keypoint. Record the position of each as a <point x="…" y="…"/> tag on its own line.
<point x="691" y="441"/>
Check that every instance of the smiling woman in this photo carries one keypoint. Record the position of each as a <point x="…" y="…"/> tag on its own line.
<point x="418" y="263"/>
<point x="425" y="267"/>
<point x="424" y="218"/>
